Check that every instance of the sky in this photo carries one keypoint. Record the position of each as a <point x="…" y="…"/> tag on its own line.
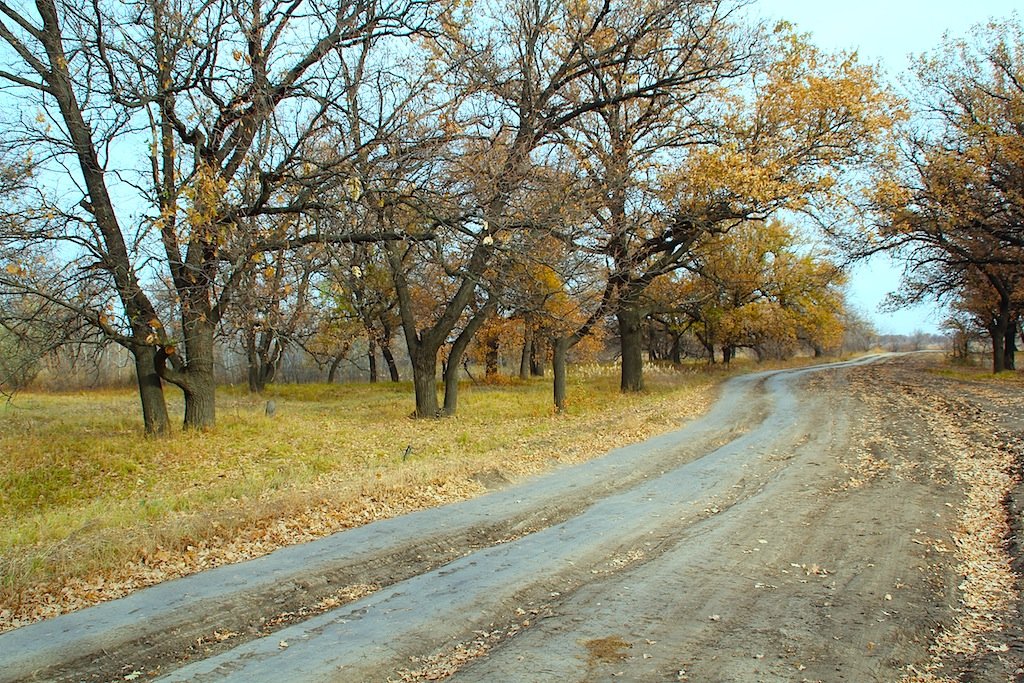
<point x="887" y="33"/>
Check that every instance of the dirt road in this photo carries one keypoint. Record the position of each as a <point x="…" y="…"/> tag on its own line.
<point x="814" y="526"/>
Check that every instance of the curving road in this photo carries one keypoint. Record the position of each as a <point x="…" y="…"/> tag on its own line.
<point x="747" y="546"/>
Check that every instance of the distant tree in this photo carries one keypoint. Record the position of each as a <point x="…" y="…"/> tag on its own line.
<point x="859" y="333"/>
<point x="517" y="69"/>
<point x="364" y="292"/>
<point x="758" y="287"/>
<point x="715" y="157"/>
<point x="986" y="308"/>
<point x="272" y="310"/>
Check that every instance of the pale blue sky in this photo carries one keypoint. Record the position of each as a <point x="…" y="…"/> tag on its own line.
<point x="886" y="32"/>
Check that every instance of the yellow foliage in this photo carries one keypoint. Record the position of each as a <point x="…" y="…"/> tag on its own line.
<point x="808" y="115"/>
<point x="204" y="196"/>
<point x="761" y="286"/>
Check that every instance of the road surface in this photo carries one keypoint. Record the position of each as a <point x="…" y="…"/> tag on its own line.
<point x="799" y="531"/>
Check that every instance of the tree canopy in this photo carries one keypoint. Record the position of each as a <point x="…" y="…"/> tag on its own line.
<point x="302" y="175"/>
<point x="952" y="205"/>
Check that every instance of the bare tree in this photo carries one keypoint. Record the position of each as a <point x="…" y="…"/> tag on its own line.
<point x="520" y="69"/>
<point x="164" y="127"/>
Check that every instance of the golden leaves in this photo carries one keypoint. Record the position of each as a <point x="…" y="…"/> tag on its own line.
<point x="353" y="188"/>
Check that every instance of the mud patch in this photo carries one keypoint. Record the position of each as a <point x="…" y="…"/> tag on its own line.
<point x="610" y="649"/>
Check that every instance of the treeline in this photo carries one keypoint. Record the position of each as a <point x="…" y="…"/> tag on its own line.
<point x="770" y="304"/>
<point x="300" y="175"/>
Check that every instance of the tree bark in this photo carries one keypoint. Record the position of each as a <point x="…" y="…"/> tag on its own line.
<point x="459" y="346"/>
<point x="537" y="358"/>
<point x="727" y="354"/>
<point x="424" y="381"/>
<point x="194" y="375"/>
<point x="560" y="349"/>
<point x="524" y="359"/>
<point x="653" y="352"/>
<point x="491" y="358"/>
<point x="1010" y="345"/>
<point x="200" y="385"/>
<point x="253" y="362"/>
<point x="709" y="346"/>
<point x="264" y="361"/>
<point x="1000" y="326"/>
<point x="998" y="348"/>
<point x="255" y="386"/>
<point x="371" y="355"/>
<point x="200" y="403"/>
<point x="677" y="348"/>
<point x="385" y="350"/>
<point x="338" y="357"/>
<point x="631" y="335"/>
<point x="151" y="391"/>
<point x="389" y="358"/>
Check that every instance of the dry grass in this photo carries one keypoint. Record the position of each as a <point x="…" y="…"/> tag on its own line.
<point x="91" y="510"/>
<point x="979" y="370"/>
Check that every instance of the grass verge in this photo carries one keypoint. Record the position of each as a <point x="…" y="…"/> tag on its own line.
<point x="90" y="510"/>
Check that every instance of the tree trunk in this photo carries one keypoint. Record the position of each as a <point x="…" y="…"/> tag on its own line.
<point x="653" y="352"/>
<point x="424" y="380"/>
<point x="1000" y="327"/>
<point x="200" y="385"/>
<point x="151" y="391"/>
<point x="423" y="345"/>
<point x="631" y="336"/>
<point x="371" y="355"/>
<point x="389" y="358"/>
<point x="560" y="349"/>
<point x="264" y="358"/>
<point x="491" y="358"/>
<point x="459" y="346"/>
<point x="727" y="354"/>
<point x="1010" y="345"/>
<point x="709" y="345"/>
<point x="524" y="359"/>
<point x="252" y="362"/>
<point x="998" y="349"/>
<point x="451" y="385"/>
<point x="194" y="375"/>
<point x="338" y="357"/>
<point x="200" y="403"/>
<point x="677" y="349"/>
<point x="536" y="359"/>
<point x="137" y="306"/>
